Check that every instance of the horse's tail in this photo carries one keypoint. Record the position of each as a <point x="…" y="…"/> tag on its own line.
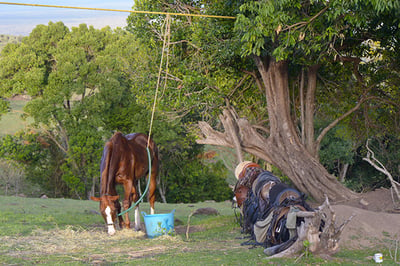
<point x="149" y="144"/>
<point x="155" y="155"/>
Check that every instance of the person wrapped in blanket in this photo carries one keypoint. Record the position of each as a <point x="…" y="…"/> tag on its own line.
<point x="268" y="208"/>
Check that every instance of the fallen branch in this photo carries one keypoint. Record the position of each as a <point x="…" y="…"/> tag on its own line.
<point x="188" y="225"/>
<point x="381" y="168"/>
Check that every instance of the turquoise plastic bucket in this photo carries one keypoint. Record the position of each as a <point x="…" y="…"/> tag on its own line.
<point x="159" y="224"/>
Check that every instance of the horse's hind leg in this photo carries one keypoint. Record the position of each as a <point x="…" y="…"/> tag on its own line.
<point x="152" y="188"/>
<point x="135" y="197"/>
<point x="127" y="202"/>
<point x="137" y="218"/>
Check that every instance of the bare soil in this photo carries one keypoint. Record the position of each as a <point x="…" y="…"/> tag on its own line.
<point x="375" y="221"/>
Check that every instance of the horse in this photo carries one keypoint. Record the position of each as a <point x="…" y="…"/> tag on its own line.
<point x="125" y="161"/>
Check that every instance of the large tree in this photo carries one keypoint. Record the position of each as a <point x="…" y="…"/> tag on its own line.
<point x="76" y="79"/>
<point x="85" y="84"/>
<point x="292" y="53"/>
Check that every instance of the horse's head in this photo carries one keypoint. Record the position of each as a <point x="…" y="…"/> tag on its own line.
<point x="241" y="194"/>
<point x="108" y="210"/>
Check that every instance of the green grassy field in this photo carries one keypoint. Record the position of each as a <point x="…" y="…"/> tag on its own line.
<point x="5" y="39"/>
<point x="12" y="122"/>
<point x="69" y="232"/>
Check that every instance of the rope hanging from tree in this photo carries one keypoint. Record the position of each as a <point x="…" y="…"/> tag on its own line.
<point x="165" y="50"/>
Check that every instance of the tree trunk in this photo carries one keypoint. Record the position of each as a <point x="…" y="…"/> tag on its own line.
<point x="282" y="147"/>
<point x="343" y="172"/>
<point x="310" y="110"/>
<point x="162" y="189"/>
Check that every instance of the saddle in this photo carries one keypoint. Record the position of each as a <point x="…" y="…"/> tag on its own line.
<point x="268" y="208"/>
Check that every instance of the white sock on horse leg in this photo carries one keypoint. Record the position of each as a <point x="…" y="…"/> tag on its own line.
<point x="137" y="218"/>
<point x="110" y="224"/>
<point x="151" y="210"/>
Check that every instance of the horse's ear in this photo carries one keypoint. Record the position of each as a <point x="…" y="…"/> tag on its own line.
<point x="94" y="198"/>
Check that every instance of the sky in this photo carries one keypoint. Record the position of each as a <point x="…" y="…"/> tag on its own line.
<point x="21" y="20"/>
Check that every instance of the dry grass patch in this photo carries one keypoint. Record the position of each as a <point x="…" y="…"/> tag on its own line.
<point x="87" y="245"/>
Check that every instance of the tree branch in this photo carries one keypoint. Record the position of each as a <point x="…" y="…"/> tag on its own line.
<point x="381" y="168"/>
<point x="356" y="62"/>
<point x="258" y="81"/>
<point x="231" y="127"/>
<point x="212" y="137"/>
<point x="336" y="121"/>
<point x="242" y="80"/>
<point x="301" y="24"/>
<point x="248" y="137"/>
<point x="186" y="41"/>
<point x="54" y="140"/>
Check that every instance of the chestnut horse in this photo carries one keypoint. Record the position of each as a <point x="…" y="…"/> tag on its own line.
<point x="124" y="161"/>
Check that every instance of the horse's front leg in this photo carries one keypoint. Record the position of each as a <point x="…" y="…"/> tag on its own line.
<point x="120" y="219"/>
<point x="127" y="202"/>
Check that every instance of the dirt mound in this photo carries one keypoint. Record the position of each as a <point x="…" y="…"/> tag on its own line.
<point x="375" y="222"/>
<point x="378" y="200"/>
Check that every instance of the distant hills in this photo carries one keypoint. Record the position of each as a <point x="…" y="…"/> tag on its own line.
<point x="5" y="39"/>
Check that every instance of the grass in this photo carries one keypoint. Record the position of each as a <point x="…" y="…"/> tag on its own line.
<point x="12" y="122"/>
<point x="66" y="231"/>
<point x="5" y="39"/>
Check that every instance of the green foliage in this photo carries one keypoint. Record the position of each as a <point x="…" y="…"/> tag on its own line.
<point x="73" y="78"/>
<point x="85" y="84"/>
<point x="337" y="149"/>
<point x="192" y="181"/>
<point x="210" y="56"/>
<point x="363" y="176"/>
<point x="204" y="56"/>
<point x="304" y="32"/>
<point x="20" y="147"/>
<point x="39" y="160"/>
<point x="6" y="39"/>
<point x="306" y="245"/>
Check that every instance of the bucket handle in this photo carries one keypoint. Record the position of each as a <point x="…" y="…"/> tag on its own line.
<point x="144" y="214"/>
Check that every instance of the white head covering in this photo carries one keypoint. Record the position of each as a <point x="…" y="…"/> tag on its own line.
<point x="240" y="167"/>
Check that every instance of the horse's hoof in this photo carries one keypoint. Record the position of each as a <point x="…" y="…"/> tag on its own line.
<point x="111" y="232"/>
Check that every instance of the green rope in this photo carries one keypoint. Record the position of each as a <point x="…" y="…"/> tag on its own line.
<point x="147" y="186"/>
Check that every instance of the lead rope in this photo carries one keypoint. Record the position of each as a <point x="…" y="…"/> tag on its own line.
<point x="166" y="33"/>
<point x="147" y="187"/>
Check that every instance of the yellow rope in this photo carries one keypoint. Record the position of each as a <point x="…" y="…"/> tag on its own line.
<point x="166" y="32"/>
<point x="120" y="10"/>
